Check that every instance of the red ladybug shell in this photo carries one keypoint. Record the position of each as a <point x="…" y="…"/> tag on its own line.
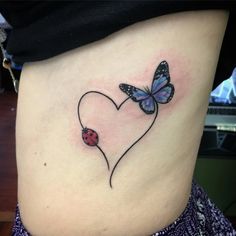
<point x="90" y="137"/>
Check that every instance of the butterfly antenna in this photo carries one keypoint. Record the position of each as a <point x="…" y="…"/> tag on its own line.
<point x="145" y="88"/>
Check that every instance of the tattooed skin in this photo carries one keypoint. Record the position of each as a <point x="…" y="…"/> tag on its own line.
<point x="160" y="92"/>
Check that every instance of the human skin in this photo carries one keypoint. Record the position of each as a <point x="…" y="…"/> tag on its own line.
<point x="63" y="184"/>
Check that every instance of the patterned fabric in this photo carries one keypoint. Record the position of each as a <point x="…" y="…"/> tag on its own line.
<point x="18" y="228"/>
<point x="200" y="218"/>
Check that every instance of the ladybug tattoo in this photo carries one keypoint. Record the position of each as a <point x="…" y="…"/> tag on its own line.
<point x="90" y="137"/>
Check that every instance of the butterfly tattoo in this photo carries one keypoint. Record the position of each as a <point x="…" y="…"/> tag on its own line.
<point x="161" y="91"/>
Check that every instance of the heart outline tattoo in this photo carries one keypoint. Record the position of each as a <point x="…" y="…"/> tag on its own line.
<point x="161" y="92"/>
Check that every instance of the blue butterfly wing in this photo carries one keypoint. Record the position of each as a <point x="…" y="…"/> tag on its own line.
<point x="148" y="105"/>
<point x="146" y="102"/>
<point x="161" y="77"/>
<point x="164" y="95"/>
<point x="161" y="90"/>
<point x="134" y="93"/>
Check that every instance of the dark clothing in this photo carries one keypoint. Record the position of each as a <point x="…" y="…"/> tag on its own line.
<point x="43" y="29"/>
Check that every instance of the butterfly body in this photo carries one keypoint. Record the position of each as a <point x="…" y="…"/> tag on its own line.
<point x="161" y="90"/>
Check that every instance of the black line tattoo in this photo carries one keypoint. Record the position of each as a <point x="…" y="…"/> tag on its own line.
<point x="90" y="136"/>
<point x="161" y="92"/>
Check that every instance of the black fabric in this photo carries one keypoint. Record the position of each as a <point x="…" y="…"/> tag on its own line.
<point x="42" y="29"/>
